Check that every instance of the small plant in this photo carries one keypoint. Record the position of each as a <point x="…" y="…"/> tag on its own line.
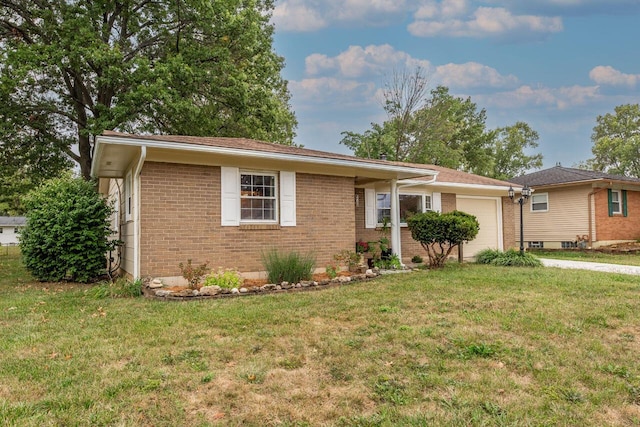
<point x="192" y="273"/>
<point x="362" y="247"/>
<point x="390" y="263"/>
<point x="120" y="288"/>
<point x="350" y="259"/>
<point x="225" y="278"/>
<point x="417" y="259"/>
<point x="292" y="267"/>
<point x="486" y="256"/>
<point x="331" y="270"/>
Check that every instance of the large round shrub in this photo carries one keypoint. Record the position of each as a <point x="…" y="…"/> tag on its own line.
<point x="67" y="230"/>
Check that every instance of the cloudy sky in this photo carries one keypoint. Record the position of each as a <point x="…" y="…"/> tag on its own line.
<point x="555" y="64"/>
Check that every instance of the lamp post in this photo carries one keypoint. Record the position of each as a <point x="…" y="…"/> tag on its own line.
<point x="525" y="193"/>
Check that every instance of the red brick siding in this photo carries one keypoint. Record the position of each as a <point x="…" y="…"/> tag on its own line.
<point x="509" y="237"/>
<point x="180" y="219"/>
<point x="617" y="227"/>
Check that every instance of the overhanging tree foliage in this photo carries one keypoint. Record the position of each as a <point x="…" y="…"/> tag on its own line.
<point x="439" y="233"/>
<point x="66" y="236"/>
<point x="73" y="68"/>
<point x="616" y="142"/>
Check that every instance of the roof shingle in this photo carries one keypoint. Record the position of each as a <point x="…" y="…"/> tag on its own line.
<point x="561" y="175"/>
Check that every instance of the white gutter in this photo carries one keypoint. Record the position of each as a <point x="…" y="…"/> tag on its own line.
<point x="97" y="149"/>
<point x="136" y="234"/>
<point x="363" y="164"/>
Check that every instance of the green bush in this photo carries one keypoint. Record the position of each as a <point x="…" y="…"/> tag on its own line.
<point x="510" y="258"/>
<point x="67" y="231"/>
<point x="439" y="233"/>
<point x="120" y="288"/>
<point x="225" y="278"/>
<point x="487" y="256"/>
<point x="292" y="267"/>
<point x="417" y="259"/>
<point x="391" y="263"/>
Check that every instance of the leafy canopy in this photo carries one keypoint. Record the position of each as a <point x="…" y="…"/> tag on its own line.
<point x="440" y="233"/>
<point x="73" y="68"/>
<point x="616" y="142"/>
<point x="67" y="231"/>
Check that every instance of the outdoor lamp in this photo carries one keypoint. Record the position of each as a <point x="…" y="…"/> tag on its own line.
<point x="525" y="193"/>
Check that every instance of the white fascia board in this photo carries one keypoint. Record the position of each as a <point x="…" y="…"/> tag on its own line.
<point x="97" y="151"/>
<point x="264" y="154"/>
<point x="475" y="186"/>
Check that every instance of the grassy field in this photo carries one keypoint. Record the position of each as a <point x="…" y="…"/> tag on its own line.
<point x="469" y="345"/>
<point x="629" y="259"/>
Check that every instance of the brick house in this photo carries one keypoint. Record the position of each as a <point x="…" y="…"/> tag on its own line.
<point x="574" y="207"/>
<point x="226" y="200"/>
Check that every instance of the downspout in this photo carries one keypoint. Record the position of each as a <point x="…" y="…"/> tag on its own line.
<point x="589" y="218"/>
<point x="136" y="234"/>
<point x="395" y="220"/>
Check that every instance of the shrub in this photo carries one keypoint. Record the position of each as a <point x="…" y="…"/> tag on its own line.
<point x="192" y="273"/>
<point x="331" y="270"/>
<point x="417" y="259"/>
<point x="439" y="233"/>
<point x="513" y="258"/>
<point x="390" y="263"/>
<point x="225" y="278"/>
<point x="67" y="231"/>
<point x="120" y="288"/>
<point x="349" y="258"/>
<point x="292" y="267"/>
<point x="486" y="256"/>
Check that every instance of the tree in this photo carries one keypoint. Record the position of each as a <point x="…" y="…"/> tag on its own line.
<point x="616" y="139"/>
<point x="440" y="233"/>
<point x="509" y="158"/>
<point x="67" y="231"/>
<point x="73" y="68"/>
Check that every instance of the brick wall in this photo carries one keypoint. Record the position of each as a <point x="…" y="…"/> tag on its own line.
<point x="180" y="219"/>
<point x="617" y="227"/>
<point x="509" y="237"/>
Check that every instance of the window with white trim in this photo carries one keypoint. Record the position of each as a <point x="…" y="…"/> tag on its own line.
<point x="409" y="204"/>
<point x="536" y="245"/>
<point x="540" y="202"/>
<point x="616" y="204"/>
<point x="258" y="197"/>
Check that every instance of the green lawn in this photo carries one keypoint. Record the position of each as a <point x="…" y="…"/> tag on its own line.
<point x="469" y="345"/>
<point x="591" y="256"/>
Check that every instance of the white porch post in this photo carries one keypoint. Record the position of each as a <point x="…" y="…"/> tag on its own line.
<point x="395" y="220"/>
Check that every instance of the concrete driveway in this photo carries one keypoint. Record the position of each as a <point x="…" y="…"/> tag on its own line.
<point x="595" y="266"/>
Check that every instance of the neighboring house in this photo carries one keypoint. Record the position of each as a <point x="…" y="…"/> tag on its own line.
<point x="226" y="200"/>
<point x="574" y="207"/>
<point x="9" y="229"/>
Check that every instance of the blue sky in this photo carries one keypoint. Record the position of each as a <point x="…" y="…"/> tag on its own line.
<point x="555" y="64"/>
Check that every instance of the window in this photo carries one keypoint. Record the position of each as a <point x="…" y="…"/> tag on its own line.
<point x="536" y="245"/>
<point x="615" y="202"/>
<point x="409" y="204"/>
<point x="16" y="230"/>
<point x="569" y="245"/>
<point x="258" y="197"/>
<point x="540" y="202"/>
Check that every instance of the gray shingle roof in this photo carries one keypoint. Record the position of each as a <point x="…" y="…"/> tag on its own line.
<point x="13" y="221"/>
<point x="561" y="175"/>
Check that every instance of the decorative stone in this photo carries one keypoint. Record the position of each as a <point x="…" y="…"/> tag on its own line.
<point x="344" y="279"/>
<point x="235" y="291"/>
<point x="323" y="282"/>
<point x="305" y="284"/>
<point x="243" y="290"/>
<point x="278" y="288"/>
<point x="225" y="291"/>
<point x="370" y="273"/>
<point x="298" y="285"/>
<point x="314" y="283"/>
<point x="184" y="293"/>
<point x="285" y="285"/>
<point x="209" y="290"/>
<point x="163" y="293"/>
<point x="155" y="283"/>
<point x="196" y="292"/>
<point x="269" y="287"/>
<point x="335" y="280"/>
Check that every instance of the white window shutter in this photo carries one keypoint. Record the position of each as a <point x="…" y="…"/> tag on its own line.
<point x="436" y="202"/>
<point x="287" y="199"/>
<point x="370" y="217"/>
<point x="230" y="195"/>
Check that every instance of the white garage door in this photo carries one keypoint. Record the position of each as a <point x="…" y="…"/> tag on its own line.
<point x="489" y="217"/>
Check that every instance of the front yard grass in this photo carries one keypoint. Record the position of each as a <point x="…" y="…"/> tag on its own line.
<point x="468" y="345"/>
<point x="590" y="256"/>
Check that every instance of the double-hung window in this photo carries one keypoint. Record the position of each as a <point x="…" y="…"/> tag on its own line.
<point x="540" y="202"/>
<point x="615" y="202"/>
<point x="258" y="197"/>
<point x="409" y="204"/>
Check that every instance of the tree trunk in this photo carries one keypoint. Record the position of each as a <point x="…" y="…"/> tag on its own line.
<point x="84" y="148"/>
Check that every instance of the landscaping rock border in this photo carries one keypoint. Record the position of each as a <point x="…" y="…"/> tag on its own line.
<point x="153" y="288"/>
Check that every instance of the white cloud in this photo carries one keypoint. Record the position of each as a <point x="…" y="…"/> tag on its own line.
<point x="472" y="74"/>
<point x="607" y="75"/>
<point x="441" y="20"/>
<point x="560" y="98"/>
<point x="357" y="61"/>
<point x="296" y="16"/>
<point x="332" y="90"/>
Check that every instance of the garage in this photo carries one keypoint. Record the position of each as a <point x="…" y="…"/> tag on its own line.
<point x="489" y="214"/>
